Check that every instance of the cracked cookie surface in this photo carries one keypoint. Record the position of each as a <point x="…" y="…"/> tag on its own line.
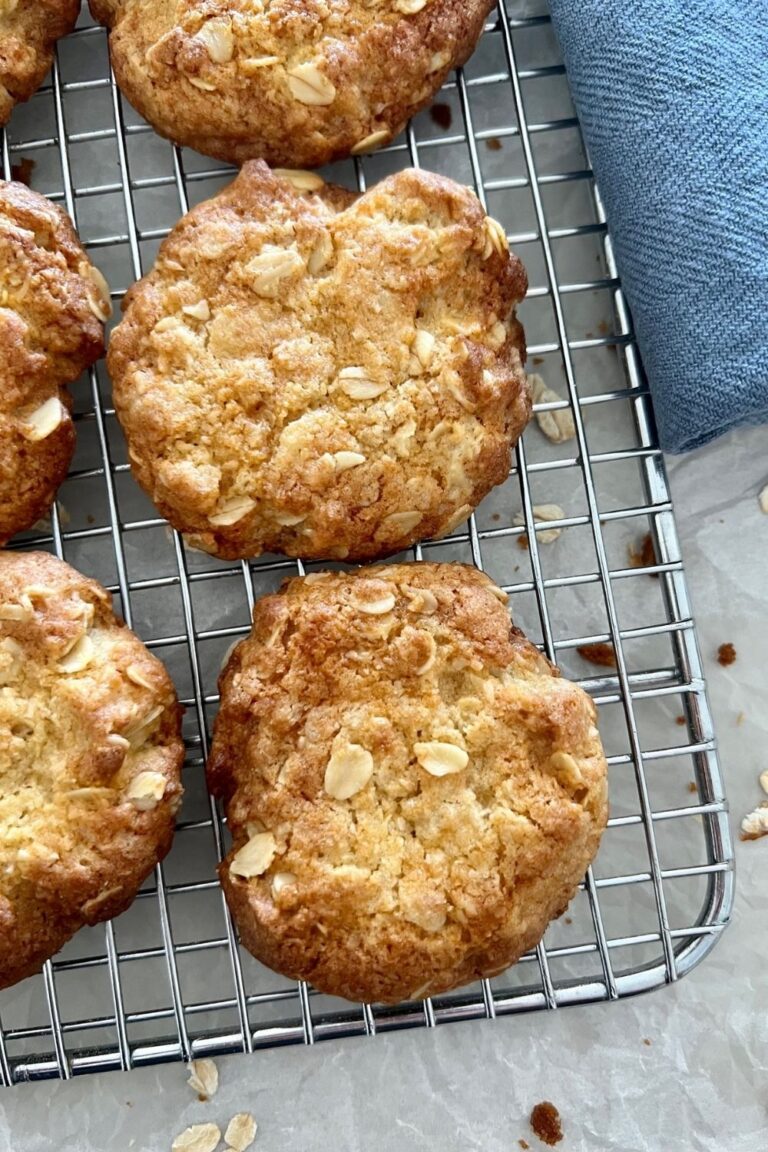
<point x="412" y="790"/>
<point x="29" y="30"/>
<point x="309" y="372"/>
<point x="53" y="305"/>
<point x="90" y="760"/>
<point x="295" y="82"/>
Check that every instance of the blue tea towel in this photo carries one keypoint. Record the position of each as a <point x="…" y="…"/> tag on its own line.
<point x="673" y="100"/>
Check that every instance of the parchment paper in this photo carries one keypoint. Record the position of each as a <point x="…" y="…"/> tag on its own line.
<point x="701" y="1081"/>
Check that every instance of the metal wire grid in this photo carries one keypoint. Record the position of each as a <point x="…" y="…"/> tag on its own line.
<point x="121" y="995"/>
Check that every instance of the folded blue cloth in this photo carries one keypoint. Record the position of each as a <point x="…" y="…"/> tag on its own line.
<point x="673" y="101"/>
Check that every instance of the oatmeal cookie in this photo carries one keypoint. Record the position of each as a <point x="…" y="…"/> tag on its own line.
<point x="90" y="760"/>
<point x="53" y="304"/>
<point x="295" y="82"/>
<point x="29" y="30"/>
<point x="412" y="790"/>
<point x="309" y="372"/>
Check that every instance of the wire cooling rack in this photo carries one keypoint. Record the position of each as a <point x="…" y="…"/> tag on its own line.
<point x="168" y="980"/>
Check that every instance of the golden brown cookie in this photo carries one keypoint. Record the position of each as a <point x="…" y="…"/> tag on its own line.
<point x="90" y="760"/>
<point x="53" y="304"/>
<point x="412" y="790"/>
<point x="296" y="82"/>
<point x="313" y="373"/>
<point x="29" y="30"/>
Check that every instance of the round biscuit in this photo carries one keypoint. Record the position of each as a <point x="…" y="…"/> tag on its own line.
<point x="412" y="789"/>
<point x="53" y="305"/>
<point x="298" y="83"/>
<point x="324" y="375"/>
<point x="90" y="760"/>
<point x="29" y="30"/>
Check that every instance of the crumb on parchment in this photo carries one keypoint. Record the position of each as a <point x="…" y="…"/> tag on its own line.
<point x="726" y="655"/>
<point x="545" y="1122"/>
<point x="198" y="1138"/>
<point x="203" y="1078"/>
<point x="442" y="115"/>
<point x="602" y="654"/>
<point x="557" y="424"/>
<point x="22" y="170"/>
<point x="643" y="555"/>
<point x="241" y="1132"/>
<point x="542" y="512"/>
<point x="755" y="825"/>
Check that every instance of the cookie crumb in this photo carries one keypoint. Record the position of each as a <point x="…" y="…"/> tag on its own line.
<point x="557" y="424"/>
<point x="603" y="328"/>
<point x="522" y="542"/>
<point x="198" y="1138"/>
<point x="203" y="1078"/>
<point x="22" y="170"/>
<point x="493" y="144"/>
<point x="644" y="555"/>
<point x="693" y="786"/>
<point x="646" y="1041"/>
<point x="755" y="825"/>
<point x="569" y="919"/>
<point x="680" y="720"/>
<point x="545" y="512"/>
<point x="241" y="1132"/>
<point x="496" y="517"/>
<point x="740" y="718"/>
<point x="442" y="115"/>
<point x="537" y="360"/>
<point x="523" y="1144"/>
<point x="601" y="654"/>
<point x="545" y="1122"/>
<point x="726" y="655"/>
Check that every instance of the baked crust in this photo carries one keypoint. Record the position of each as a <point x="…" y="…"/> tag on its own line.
<point x="29" y="30"/>
<point x="90" y="760"/>
<point x="53" y="304"/>
<point x="414" y="883"/>
<point x="295" y="82"/>
<point x="322" y="375"/>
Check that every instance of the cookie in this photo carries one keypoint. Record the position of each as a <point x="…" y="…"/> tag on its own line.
<point x="295" y="82"/>
<point x="312" y="373"/>
<point x="90" y="760"/>
<point x="53" y="304"/>
<point x="29" y="30"/>
<point x="412" y="790"/>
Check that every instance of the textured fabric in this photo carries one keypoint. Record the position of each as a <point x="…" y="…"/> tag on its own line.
<point x="673" y="100"/>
